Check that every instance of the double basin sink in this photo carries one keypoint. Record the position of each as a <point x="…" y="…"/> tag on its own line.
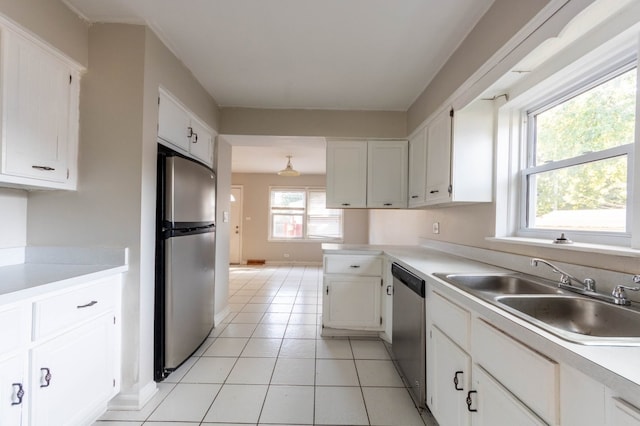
<point x="575" y="318"/>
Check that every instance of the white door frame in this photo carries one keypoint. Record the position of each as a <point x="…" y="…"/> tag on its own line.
<point x="236" y="228"/>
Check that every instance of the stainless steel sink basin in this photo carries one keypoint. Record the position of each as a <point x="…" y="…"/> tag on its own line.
<point x="500" y="283"/>
<point x="578" y="318"/>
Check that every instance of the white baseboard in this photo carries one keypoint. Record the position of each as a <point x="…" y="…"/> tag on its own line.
<point x="220" y="316"/>
<point x="133" y="400"/>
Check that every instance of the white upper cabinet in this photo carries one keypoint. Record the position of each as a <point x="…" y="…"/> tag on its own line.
<point x="40" y="95"/>
<point x="182" y="130"/>
<point x="418" y="169"/>
<point x="347" y="174"/>
<point x="174" y="122"/>
<point x="387" y="174"/>
<point x="201" y="142"/>
<point x="367" y="174"/>
<point x="460" y="155"/>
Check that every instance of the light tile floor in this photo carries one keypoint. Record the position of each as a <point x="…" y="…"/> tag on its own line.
<point x="267" y="365"/>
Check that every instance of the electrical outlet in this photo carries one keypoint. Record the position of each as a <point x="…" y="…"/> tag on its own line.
<point x="436" y="227"/>
<point x="286" y="255"/>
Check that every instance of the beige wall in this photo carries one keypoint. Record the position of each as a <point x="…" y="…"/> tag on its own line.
<point x="286" y="122"/>
<point x="115" y="202"/>
<point x="52" y="22"/>
<point x="255" y="244"/>
<point x="501" y="22"/>
<point x="13" y="218"/>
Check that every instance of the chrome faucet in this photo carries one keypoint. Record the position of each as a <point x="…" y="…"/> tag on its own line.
<point x="619" y="295"/>
<point x="588" y="284"/>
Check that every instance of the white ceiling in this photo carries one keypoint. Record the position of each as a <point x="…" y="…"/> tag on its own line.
<point x="320" y="54"/>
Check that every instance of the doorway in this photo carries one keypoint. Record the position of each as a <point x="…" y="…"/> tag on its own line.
<point x="235" y="243"/>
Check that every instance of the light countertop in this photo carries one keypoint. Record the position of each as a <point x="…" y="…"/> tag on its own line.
<point x="40" y="270"/>
<point x="615" y="366"/>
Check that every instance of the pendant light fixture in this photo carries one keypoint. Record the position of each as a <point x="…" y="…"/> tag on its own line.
<point x="289" y="171"/>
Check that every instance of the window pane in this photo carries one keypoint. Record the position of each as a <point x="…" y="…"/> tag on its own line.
<point x="288" y="199"/>
<point x="324" y="227"/>
<point x="601" y="118"/>
<point x="590" y="197"/>
<point x="318" y="202"/>
<point x="287" y="226"/>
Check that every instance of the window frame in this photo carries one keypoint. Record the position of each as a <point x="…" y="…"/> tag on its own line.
<point x="575" y="87"/>
<point x="305" y="215"/>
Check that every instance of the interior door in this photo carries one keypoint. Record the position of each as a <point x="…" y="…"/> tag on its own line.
<point x="235" y="243"/>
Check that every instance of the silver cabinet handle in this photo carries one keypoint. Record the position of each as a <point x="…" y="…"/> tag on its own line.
<point x="93" y="302"/>
<point x="387" y="204"/>
<point x="435" y="191"/>
<point x="195" y="138"/>
<point x="354" y="266"/>
<point x="346" y="204"/>
<point x="19" y="394"/>
<point x="46" y="378"/>
<point x="189" y="132"/>
<point x="45" y="168"/>
<point x="456" y="381"/>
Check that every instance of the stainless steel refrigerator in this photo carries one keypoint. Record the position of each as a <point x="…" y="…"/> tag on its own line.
<point x="185" y="255"/>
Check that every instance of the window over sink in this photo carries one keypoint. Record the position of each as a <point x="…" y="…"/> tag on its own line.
<point x="568" y="131"/>
<point x="579" y="148"/>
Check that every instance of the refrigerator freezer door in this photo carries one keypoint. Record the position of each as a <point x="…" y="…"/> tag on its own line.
<point x="189" y="288"/>
<point x="191" y="193"/>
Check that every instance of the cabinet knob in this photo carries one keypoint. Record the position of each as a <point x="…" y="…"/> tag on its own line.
<point x="346" y="204"/>
<point x="18" y="395"/>
<point x="46" y="378"/>
<point x="354" y="266"/>
<point x="189" y="132"/>
<point x="435" y="191"/>
<point x="389" y="290"/>
<point x="415" y="196"/>
<point x="195" y="138"/>
<point x="387" y="204"/>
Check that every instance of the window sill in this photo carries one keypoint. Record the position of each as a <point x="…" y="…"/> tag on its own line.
<point x="579" y="247"/>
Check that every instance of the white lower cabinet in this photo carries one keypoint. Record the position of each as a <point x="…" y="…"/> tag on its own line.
<point x="621" y="413"/>
<point x="491" y="404"/>
<point x="353" y="291"/>
<point x="13" y="388"/>
<point x="449" y="380"/>
<point x="352" y="303"/>
<point x="583" y="398"/>
<point x="72" y="375"/>
<point x="62" y="368"/>
<point x="496" y="390"/>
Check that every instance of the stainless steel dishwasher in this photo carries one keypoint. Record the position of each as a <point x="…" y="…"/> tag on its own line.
<point x="408" y="331"/>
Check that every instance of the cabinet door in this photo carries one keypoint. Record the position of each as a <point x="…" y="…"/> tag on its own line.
<point x="37" y="111"/>
<point x="439" y="159"/>
<point x="14" y="391"/>
<point x="174" y="123"/>
<point x="201" y="143"/>
<point x="387" y="174"/>
<point x="582" y="399"/>
<point x="449" y="375"/>
<point x="418" y="169"/>
<point x="352" y="302"/>
<point x="495" y="405"/>
<point x="346" y="174"/>
<point x="73" y="375"/>
<point x="622" y="413"/>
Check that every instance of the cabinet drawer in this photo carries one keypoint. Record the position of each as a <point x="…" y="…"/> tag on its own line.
<point x="453" y="320"/>
<point x="72" y="308"/>
<point x="530" y="376"/>
<point x="15" y="323"/>
<point x="353" y="265"/>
